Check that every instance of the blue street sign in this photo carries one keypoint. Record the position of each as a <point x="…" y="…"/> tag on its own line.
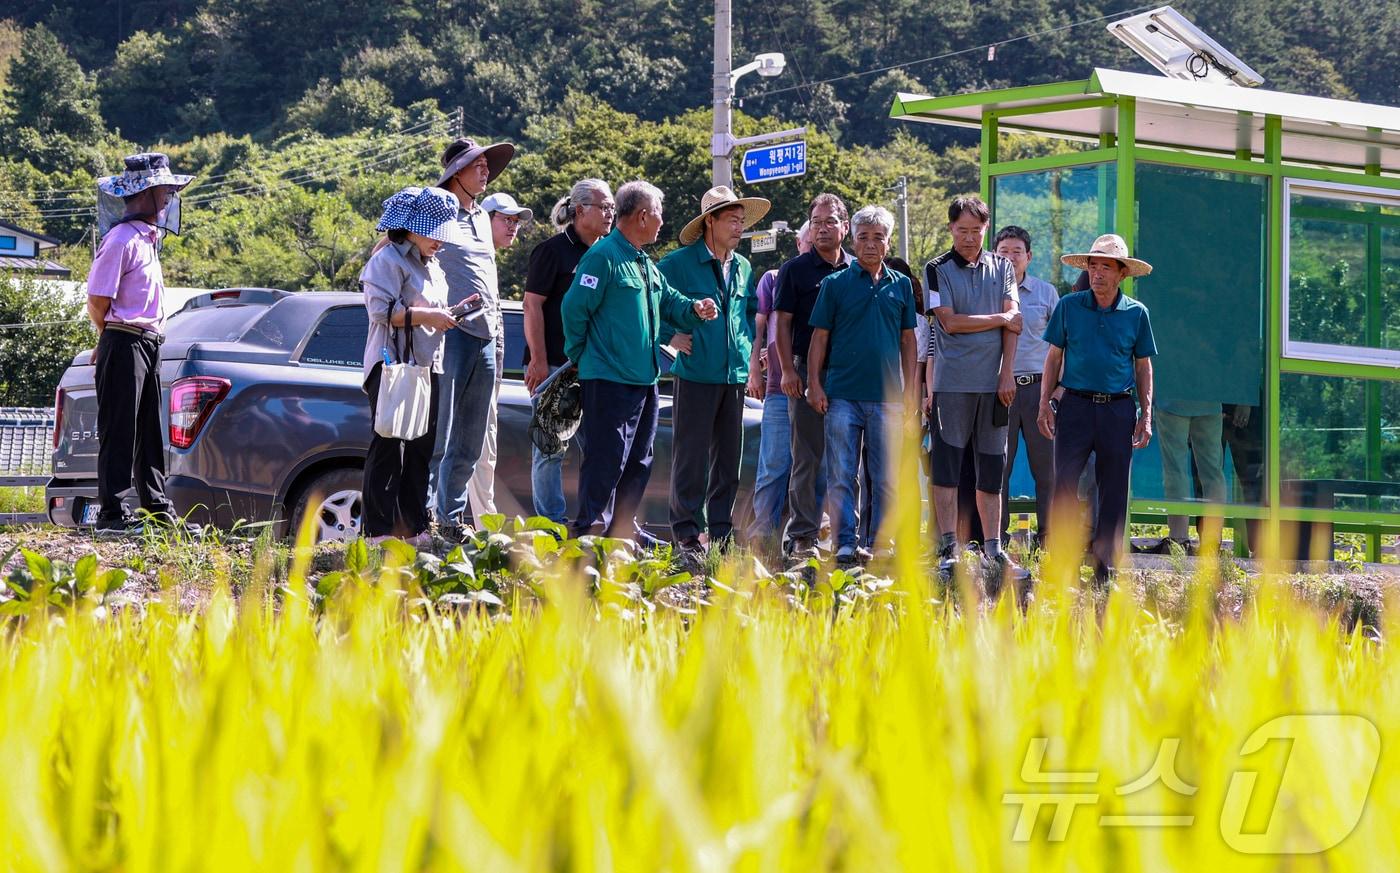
<point x="773" y="162"/>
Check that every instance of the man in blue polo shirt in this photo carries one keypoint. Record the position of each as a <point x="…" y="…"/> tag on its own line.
<point x="1101" y="348"/>
<point x="865" y="315"/>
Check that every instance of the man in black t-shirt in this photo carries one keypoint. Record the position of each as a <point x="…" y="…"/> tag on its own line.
<point x="583" y="217"/>
<point x="799" y="281"/>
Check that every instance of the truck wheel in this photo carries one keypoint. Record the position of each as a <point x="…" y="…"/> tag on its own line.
<point x="333" y="501"/>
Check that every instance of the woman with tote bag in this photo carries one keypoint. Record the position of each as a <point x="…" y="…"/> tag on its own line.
<point x="406" y="296"/>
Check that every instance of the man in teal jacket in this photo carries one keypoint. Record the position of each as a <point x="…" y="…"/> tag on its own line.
<point x="711" y="377"/>
<point x="612" y="323"/>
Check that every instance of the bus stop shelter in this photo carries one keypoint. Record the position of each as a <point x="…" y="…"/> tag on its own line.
<point x="1273" y="224"/>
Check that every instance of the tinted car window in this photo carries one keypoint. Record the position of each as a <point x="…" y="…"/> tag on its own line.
<point x="514" y="321"/>
<point x="212" y="323"/>
<point x="515" y="341"/>
<point x="339" y="338"/>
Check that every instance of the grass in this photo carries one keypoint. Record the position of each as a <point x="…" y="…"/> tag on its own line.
<point x="22" y="499"/>
<point x="381" y="711"/>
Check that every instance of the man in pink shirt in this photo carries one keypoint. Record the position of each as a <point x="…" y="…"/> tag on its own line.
<point x="125" y="302"/>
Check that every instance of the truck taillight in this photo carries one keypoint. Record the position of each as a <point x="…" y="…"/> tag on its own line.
<point x="192" y="401"/>
<point x="57" y="416"/>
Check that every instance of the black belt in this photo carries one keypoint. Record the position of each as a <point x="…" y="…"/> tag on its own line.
<point x="144" y="333"/>
<point x="1097" y="397"/>
<point x="1028" y="379"/>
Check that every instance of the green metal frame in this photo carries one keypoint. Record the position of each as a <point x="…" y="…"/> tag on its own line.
<point x="1123" y="151"/>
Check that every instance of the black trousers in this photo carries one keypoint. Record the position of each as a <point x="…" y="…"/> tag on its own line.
<point x="130" y="443"/>
<point x="807" y="481"/>
<point x="619" y="427"/>
<point x="1105" y="429"/>
<point x="395" y="489"/>
<point x="707" y="444"/>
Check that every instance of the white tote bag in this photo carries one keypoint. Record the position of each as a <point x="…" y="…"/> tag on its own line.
<point x="405" y="395"/>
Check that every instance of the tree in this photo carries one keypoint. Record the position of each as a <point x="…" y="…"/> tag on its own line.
<point x="147" y="83"/>
<point x="344" y="107"/>
<point x="33" y="357"/>
<point x="50" y="106"/>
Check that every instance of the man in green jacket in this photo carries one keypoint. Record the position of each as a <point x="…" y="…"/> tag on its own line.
<point x="612" y="324"/>
<point x="711" y="377"/>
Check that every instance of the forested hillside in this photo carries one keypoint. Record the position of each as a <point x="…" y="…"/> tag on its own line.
<point x="300" y="115"/>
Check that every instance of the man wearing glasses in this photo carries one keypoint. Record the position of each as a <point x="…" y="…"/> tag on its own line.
<point x="799" y="282"/>
<point x="507" y="218"/>
<point x="582" y="217"/>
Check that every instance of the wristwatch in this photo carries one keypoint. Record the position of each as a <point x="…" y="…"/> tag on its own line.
<point x="1054" y="406"/>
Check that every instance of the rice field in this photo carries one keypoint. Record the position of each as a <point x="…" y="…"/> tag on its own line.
<point x="529" y="705"/>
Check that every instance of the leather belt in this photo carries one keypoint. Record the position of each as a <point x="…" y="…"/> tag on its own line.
<point x="144" y="333"/>
<point x="1028" y="379"/>
<point x="1098" y="397"/>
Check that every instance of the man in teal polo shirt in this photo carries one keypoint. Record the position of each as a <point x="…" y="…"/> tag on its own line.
<point x="1101" y="348"/>
<point x="612" y="323"/>
<point x="865" y="316"/>
<point x="710" y="379"/>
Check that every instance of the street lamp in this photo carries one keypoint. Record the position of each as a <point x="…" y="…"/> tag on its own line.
<point x="765" y="64"/>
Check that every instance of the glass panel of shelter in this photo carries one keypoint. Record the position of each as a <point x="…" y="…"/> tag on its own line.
<point x="1205" y="233"/>
<point x="1063" y="210"/>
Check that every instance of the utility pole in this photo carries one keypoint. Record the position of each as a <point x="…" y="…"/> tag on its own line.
<point x="722" y="173"/>
<point x="901" y="202"/>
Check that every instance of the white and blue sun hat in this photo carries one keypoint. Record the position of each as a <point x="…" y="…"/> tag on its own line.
<point x="430" y="212"/>
<point x="146" y="170"/>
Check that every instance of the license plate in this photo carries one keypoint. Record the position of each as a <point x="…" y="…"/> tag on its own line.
<point x="90" y="513"/>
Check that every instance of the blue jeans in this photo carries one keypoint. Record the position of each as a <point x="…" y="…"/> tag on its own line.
<point x="774" y="464"/>
<point x="847" y="421"/>
<point x="547" y="471"/>
<point x="468" y="377"/>
<point x="547" y="485"/>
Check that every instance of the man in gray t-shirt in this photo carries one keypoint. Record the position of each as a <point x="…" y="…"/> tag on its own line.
<point x="973" y="304"/>
<point x="469" y="357"/>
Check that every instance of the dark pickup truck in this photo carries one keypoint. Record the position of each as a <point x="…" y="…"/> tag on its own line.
<point x="266" y="420"/>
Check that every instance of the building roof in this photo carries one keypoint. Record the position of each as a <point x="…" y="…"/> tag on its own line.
<point x="1179" y="114"/>
<point x="42" y="266"/>
<point x="45" y="241"/>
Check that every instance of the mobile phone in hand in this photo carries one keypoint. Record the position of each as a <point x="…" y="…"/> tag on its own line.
<point x="471" y="304"/>
<point x="1001" y="413"/>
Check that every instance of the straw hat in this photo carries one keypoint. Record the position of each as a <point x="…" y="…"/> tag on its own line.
<point x="720" y="197"/>
<point x="1110" y="245"/>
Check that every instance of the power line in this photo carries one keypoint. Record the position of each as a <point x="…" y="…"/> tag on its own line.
<point x="205" y="194"/>
<point x="805" y="91"/>
<point x="204" y="187"/>
<point x="430" y="122"/>
<point x="381" y="155"/>
<point x="366" y="158"/>
<point x="863" y="73"/>
<point x="24" y="324"/>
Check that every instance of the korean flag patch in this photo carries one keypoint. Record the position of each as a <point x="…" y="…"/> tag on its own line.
<point x="587" y="281"/>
